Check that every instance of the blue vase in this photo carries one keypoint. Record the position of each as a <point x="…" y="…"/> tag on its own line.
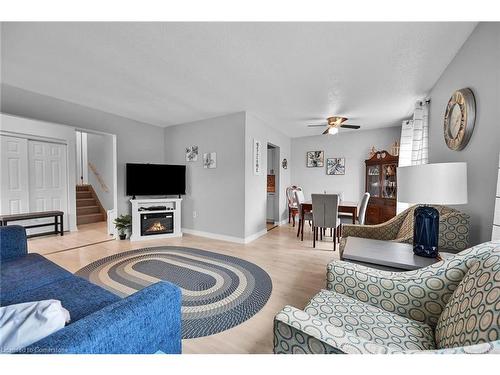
<point x="426" y="231"/>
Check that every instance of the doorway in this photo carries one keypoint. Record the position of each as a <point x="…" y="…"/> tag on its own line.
<point x="96" y="179"/>
<point x="273" y="189"/>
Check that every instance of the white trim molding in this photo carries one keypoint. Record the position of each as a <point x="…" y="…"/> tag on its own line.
<point x="223" y="237"/>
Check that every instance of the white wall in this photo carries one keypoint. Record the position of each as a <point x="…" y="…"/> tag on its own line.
<point x="136" y="142"/>
<point x="256" y="186"/>
<point x="354" y="146"/>
<point x="217" y="195"/>
<point x="230" y="202"/>
<point x="477" y="66"/>
<point x="100" y="154"/>
<point x="17" y="125"/>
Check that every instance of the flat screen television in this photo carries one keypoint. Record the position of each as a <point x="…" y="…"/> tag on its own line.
<point x="155" y="179"/>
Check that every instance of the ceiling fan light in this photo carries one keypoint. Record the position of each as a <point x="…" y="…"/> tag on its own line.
<point x="333" y="130"/>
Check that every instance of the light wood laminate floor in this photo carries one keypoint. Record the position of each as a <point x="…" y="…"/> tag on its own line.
<point x="297" y="271"/>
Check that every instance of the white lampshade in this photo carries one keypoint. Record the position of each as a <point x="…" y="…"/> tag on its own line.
<point x="441" y="183"/>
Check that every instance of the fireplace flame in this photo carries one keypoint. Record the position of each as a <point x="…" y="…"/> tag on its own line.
<point x="157" y="227"/>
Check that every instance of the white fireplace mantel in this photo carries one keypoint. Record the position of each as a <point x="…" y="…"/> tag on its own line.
<point x="172" y="205"/>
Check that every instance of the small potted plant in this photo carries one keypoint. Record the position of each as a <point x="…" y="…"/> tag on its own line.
<point x="123" y="223"/>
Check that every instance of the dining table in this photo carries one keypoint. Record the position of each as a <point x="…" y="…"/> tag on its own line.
<point x="344" y="207"/>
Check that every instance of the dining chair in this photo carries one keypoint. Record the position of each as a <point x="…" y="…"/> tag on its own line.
<point x="325" y="211"/>
<point x="339" y="193"/>
<point x="299" y="198"/>
<point x="346" y="218"/>
<point x="341" y="198"/>
<point x="293" y="208"/>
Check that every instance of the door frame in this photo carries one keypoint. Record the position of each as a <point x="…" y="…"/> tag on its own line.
<point x="277" y="173"/>
<point x="115" y="169"/>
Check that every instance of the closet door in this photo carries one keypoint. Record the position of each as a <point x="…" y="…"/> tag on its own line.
<point x="47" y="178"/>
<point x="14" y="197"/>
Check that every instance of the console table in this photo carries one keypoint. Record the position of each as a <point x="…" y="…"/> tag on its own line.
<point x="57" y="223"/>
<point x="386" y="255"/>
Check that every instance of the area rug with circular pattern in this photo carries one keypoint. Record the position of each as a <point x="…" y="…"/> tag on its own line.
<point x="218" y="291"/>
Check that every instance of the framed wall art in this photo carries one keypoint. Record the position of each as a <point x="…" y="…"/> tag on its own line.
<point x="192" y="153"/>
<point x="335" y="166"/>
<point x="210" y="160"/>
<point x="315" y="159"/>
<point x="257" y="157"/>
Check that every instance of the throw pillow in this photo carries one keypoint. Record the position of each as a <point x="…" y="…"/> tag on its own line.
<point x="25" y="323"/>
<point x="472" y="315"/>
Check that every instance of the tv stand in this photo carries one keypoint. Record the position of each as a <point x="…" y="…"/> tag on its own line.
<point x="147" y="206"/>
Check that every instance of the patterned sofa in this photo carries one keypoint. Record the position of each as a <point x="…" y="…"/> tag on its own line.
<point x="454" y="228"/>
<point x="452" y="306"/>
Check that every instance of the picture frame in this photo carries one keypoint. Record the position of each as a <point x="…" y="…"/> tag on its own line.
<point x="210" y="160"/>
<point x="257" y="157"/>
<point x="335" y="166"/>
<point x="315" y="159"/>
<point x="192" y="153"/>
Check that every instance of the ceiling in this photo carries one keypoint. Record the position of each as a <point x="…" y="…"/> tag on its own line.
<point x="288" y="74"/>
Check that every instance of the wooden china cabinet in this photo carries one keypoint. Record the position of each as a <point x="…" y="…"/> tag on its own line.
<point x="381" y="183"/>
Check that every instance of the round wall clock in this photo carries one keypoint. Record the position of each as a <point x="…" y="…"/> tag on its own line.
<point x="459" y="119"/>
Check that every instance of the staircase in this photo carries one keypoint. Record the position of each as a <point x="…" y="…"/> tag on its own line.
<point x="88" y="207"/>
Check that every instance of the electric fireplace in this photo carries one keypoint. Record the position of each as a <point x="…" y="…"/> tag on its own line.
<point x="156" y="218"/>
<point x="157" y="223"/>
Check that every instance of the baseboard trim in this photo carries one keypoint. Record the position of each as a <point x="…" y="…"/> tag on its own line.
<point x="214" y="236"/>
<point x="254" y="236"/>
<point x="223" y="237"/>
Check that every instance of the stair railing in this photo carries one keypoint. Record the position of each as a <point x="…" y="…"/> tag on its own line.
<point x="99" y="177"/>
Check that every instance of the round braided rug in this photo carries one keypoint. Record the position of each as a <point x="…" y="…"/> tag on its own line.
<point x="218" y="291"/>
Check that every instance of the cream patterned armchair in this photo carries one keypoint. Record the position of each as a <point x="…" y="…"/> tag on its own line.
<point x="452" y="306"/>
<point x="454" y="228"/>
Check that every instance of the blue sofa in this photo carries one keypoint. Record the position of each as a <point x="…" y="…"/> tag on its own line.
<point x="146" y="322"/>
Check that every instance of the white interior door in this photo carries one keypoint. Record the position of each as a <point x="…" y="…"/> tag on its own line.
<point x="47" y="178"/>
<point x="14" y="197"/>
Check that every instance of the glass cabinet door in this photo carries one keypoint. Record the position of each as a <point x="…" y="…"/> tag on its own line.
<point x="373" y="180"/>
<point x="389" y="188"/>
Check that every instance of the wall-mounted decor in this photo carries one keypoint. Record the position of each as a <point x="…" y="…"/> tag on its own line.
<point x="315" y="159"/>
<point x="335" y="166"/>
<point x="257" y="157"/>
<point x="210" y="160"/>
<point x="284" y="164"/>
<point x="459" y="119"/>
<point x="192" y="153"/>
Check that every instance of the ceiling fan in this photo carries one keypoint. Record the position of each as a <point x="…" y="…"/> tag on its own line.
<point x="334" y="123"/>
